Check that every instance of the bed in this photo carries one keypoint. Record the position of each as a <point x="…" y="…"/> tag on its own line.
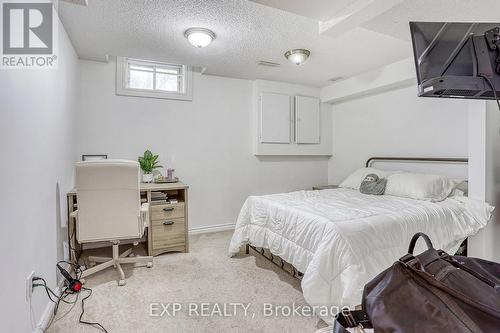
<point x="340" y="238"/>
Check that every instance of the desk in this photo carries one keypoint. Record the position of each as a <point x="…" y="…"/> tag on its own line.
<point x="168" y="223"/>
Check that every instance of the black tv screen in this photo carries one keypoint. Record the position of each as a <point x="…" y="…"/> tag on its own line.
<point x="457" y="60"/>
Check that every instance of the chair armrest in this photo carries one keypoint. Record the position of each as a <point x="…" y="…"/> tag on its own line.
<point x="74" y="214"/>
<point x="145" y="214"/>
<point x="145" y="207"/>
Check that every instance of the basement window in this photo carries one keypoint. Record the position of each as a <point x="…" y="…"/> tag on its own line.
<point x="143" y="78"/>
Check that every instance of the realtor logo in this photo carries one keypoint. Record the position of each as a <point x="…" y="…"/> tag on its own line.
<point x="28" y="35"/>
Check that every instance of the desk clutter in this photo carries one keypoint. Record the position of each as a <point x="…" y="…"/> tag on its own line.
<point x="164" y="180"/>
<point x="149" y="162"/>
<point x="162" y="197"/>
<point x="158" y="198"/>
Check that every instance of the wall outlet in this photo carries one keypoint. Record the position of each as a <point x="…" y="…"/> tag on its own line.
<point x="66" y="251"/>
<point x="29" y="286"/>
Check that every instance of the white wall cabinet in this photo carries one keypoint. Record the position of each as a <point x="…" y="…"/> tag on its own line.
<point x="307" y="120"/>
<point x="275" y="118"/>
<point x="290" y="120"/>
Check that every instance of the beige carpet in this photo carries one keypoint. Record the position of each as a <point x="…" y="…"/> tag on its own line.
<point x="204" y="275"/>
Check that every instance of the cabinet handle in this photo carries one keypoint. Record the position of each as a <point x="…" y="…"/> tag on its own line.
<point x="168" y="209"/>
<point x="168" y="222"/>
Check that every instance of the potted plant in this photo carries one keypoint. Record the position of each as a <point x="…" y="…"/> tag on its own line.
<point x="148" y="163"/>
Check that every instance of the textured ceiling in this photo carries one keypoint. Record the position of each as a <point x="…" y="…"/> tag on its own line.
<point x="246" y="33"/>
<point x="394" y="22"/>
<point x="321" y="10"/>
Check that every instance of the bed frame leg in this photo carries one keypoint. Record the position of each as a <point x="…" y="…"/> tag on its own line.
<point x="294" y="273"/>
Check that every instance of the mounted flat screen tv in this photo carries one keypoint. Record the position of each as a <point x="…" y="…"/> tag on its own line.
<point x="457" y="60"/>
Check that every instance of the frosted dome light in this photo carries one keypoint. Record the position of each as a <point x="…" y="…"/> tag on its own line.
<point x="199" y="37"/>
<point x="297" y="56"/>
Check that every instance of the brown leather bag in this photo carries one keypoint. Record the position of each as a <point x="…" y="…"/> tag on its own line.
<point x="430" y="292"/>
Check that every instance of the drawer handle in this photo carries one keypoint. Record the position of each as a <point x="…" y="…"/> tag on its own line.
<point x="168" y="209"/>
<point x="168" y="222"/>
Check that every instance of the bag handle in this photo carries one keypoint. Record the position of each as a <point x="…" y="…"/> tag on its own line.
<point x="414" y="239"/>
<point x="353" y="319"/>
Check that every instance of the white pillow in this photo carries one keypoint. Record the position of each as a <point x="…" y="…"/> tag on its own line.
<point x="461" y="189"/>
<point x="354" y="179"/>
<point x="419" y="186"/>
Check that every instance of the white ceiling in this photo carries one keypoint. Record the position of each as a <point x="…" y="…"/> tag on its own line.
<point x="246" y="33"/>
<point x="321" y="10"/>
<point x="368" y="33"/>
<point x="394" y="22"/>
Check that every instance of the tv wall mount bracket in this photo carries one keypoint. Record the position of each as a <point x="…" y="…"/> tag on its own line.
<point x="493" y="39"/>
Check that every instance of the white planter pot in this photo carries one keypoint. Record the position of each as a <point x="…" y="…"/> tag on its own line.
<point x="147" y="177"/>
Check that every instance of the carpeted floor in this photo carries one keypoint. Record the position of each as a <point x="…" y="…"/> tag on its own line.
<point x="204" y="275"/>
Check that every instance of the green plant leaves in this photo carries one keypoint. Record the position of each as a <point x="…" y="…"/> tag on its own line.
<point x="149" y="162"/>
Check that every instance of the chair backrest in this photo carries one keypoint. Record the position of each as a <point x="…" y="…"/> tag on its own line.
<point x="108" y="199"/>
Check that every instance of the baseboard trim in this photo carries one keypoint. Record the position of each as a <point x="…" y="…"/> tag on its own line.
<point x="49" y="309"/>
<point x="212" y="228"/>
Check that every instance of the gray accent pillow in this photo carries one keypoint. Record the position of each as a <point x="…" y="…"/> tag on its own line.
<point x="372" y="184"/>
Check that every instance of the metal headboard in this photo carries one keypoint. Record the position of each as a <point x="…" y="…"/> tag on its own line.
<point x="454" y="160"/>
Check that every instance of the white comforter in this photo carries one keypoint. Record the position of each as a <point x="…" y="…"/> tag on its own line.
<point x="340" y="239"/>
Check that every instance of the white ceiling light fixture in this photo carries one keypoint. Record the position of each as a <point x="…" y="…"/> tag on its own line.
<point x="297" y="56"/>
<point x="199" y="37"/>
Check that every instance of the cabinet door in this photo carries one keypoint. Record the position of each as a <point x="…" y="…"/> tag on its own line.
<point x="275" y="118"/>
<point x="307" y="119"/>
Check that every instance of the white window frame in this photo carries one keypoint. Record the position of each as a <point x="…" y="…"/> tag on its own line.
<point x="122" y="81"/>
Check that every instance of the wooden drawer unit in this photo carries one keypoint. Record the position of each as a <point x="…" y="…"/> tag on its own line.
<point x="168" y="228"/>
<point x="168" y="231"/>
<point x="169" y="234"/>
<point x="167" y="211"/>
<point x="168" y="225"/>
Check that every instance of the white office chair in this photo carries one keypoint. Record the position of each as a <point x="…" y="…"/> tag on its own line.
<point x="109" y="209"/>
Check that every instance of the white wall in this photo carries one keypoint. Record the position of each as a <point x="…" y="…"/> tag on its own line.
<point x="37" y="149"/>
<point x="376" y="81"/>
<point x="492" y="231"/>
<point x="208" y="141"/>
<point x="395" y="123"/>
<point x="484" y="173"/>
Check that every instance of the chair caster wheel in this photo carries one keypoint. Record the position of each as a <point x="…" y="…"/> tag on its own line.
<point x="122" y="282"/>
<point x="149" y="264"/>
<point x="92" y="264"/>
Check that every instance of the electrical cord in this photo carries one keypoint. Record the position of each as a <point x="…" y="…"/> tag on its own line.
<point x="93" y="324"/>
<point x="57" y="299"/>
<point x="76" y="267"/>
<point x="487" y="79"/>
<point x="78" y="254"/>
<point x="79" y="272"/>
<point x="65" y="293"/>
<point x="492" y="88"/>
<point x="53" y="320"/>
<point x="50" y="292"/>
